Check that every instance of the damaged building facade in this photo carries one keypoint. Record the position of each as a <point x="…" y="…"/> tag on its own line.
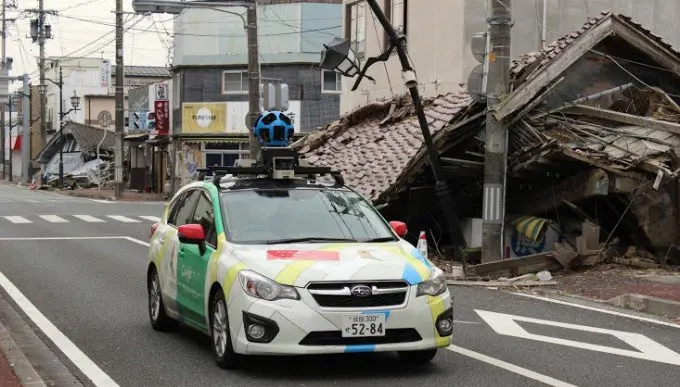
<point x="594" y="134"/>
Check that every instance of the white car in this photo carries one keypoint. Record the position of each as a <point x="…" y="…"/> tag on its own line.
<point x="270" y="267"/>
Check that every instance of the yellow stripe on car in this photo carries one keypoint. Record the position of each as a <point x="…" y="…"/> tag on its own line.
<point x="161" y="253"/>
<point x="437" y="307"/>
<point x="231" y="277"/>
<point x="292" y="271"/>
<point x="215" y="258"/>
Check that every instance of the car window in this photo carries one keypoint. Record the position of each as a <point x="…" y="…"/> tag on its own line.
<point x="174" y="207"/>
<point x="185" y="208"/>
<point x="204" y="215"/>
<point x="257" y="216"/>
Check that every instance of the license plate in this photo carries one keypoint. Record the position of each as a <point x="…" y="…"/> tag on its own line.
<point x="363" y="325"/>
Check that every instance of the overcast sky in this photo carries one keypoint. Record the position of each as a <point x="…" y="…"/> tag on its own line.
<point x="78" y="28"/>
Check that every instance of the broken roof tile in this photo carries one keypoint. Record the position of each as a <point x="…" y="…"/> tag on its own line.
<point x="376" y="158"/>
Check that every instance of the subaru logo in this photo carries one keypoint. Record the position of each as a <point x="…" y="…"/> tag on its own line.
<point x="361" y="291"/>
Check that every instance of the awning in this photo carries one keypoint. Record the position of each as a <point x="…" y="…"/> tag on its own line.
<point x="136" y="137"/>
<point x="531" y="227"/>
<point x="16" y="142"/>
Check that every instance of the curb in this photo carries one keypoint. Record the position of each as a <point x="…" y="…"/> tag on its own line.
<point x="22" y="368"/>
<point x="605" y="304"/>
<point x="647" y="304"/>
<point x="500" y="283"/>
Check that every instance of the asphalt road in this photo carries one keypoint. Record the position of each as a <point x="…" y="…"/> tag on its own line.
<point x="93" y="291"/>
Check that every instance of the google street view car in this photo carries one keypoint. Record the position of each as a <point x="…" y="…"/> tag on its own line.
<point x="275" y="257"/>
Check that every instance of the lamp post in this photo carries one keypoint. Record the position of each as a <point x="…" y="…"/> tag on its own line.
<point x="339" y="57"/>
<point x="75" y="103"/>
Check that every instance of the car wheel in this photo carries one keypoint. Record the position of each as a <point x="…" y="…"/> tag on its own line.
<point x="417" y="357"/>
<point x="225" y="357"/>
<point x="159" y="319"/>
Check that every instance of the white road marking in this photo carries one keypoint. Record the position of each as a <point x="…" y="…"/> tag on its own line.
<point x="123" y="219"/>
<point x="61" y="238"/>
<point x="137" y="241"/>
<point x="151" y="218"/>
<point x="53" y="218"/>
<point x="88" y="218"/>
<point x="509" y="367"/>
<point x="67" y="347"/>
<point x="17" y="219"/>
<point x="647" y="349"/>
<point x="607" y="311"/>
<point x="101" y="201"/>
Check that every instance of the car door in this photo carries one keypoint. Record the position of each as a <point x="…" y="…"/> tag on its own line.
<point x="193" y="262"/>
<point x="181" y="215"/>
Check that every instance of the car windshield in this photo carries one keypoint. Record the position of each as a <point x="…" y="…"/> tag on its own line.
<point x="268" y="216"/>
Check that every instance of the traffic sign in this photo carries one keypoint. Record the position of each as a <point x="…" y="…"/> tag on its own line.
<point x="647" y="349"/>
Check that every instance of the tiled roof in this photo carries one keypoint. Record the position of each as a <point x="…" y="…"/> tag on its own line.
<point x="147" y="71"/>
<point x="374" y="157"/>
<point x="88" y="137"/>
<point x="532" y="62"/>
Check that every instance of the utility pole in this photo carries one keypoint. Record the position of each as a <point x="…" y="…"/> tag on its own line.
<point x="41" y="68"/>
<point x="495" y="154"/>
<point x="120" y="113"/>
<point x="254" y="77"/>
<point x="2" y="108"/>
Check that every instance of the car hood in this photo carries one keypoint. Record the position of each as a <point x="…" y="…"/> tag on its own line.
<point x="300" y="263"/>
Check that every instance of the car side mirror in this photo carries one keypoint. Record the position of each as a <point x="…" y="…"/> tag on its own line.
<point x="193" y="234"/>
<point x="399" y="228"/>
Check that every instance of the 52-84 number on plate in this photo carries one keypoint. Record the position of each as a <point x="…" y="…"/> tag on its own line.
<point x="364" y="325"/>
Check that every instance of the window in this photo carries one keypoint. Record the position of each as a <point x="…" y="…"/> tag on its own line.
<point x="184" y="208"/>
<point x="331" y="81"/>
<point x="396" y="11"/>
<point x="234" y="82"/>
<point x="356" y="27"/>
<point x="224" y="154"/>
<point x="204" y="215"/>
<point x="273" y="215"/>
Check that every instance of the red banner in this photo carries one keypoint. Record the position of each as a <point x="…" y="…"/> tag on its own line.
<point x="304" y="255"/>
<point x="162" y="118"/>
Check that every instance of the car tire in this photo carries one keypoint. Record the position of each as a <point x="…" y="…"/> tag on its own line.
<point x="417" y="357"/>
<point x="220" y="335"/>
<point x="159" y="319"/>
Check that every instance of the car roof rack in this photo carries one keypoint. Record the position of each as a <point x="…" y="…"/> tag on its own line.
<point x="275" y="163"/>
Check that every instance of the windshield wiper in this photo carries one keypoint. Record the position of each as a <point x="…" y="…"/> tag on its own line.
<point x="308" y="239"/>
<point x="383" y="239"/>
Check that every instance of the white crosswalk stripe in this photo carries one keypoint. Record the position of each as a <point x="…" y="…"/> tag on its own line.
<point x="123" y="219"/>
<point x="89" y="219"/>
<point x="151" y="218"/>
<point x="17" y="219"/>
<point x="53" y="218"/>
<point x="63" y="218"/>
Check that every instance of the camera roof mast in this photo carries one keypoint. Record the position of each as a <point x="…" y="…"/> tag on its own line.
<point x="275" y="163"/>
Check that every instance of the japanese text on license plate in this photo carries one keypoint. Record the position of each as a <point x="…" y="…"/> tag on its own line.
<point x="363" y="325"/>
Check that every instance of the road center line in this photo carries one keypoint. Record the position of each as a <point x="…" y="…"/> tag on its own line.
<point x="137" y="241"/>
<point x="607" y="311"/>
<point x="78" y="357"/>
<point x="509" y="367"/>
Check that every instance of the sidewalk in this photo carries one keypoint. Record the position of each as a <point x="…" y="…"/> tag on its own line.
<point x="9" y="379"/>
<point x="108" y="194"/>
<point x="15" y="369"/>
<point x="654" y="291"/>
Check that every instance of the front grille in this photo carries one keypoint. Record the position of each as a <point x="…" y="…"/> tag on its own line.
<point x="338" y="294"/>
<point x="392" y="336"/>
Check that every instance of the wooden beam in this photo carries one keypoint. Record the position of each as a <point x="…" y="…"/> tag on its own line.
<point x="652" y="48"/>
<point x="625" y="118"/>
<point x="533" y="85"/>
<point x="537" y="101"/>
<point x="516" y="266"/>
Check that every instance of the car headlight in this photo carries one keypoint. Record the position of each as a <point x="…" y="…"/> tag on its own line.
<point x="434" y="286"/>
<point x="262" y="287"/>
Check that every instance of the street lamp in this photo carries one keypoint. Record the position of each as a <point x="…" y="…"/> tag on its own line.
<point x="75" y="104"/>
<point x="335" y="56"/>
<point x="338" y="56"/>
